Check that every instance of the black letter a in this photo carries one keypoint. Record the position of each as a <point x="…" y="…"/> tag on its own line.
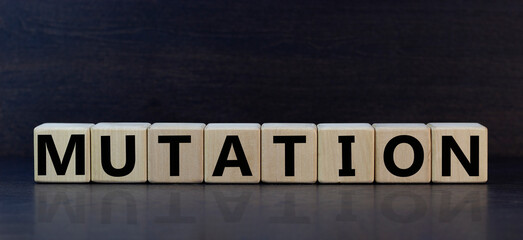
<point x="234" y="142"/>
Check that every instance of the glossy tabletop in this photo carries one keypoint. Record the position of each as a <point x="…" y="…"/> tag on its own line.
<point x="260" y="211"/>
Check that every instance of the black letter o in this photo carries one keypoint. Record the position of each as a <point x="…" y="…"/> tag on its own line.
<point x="388" y="156"/>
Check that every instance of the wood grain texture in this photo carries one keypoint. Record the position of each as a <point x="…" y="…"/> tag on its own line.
<point x="461" y="133"/>
<point x="305" y="154"/>
<point x="249" y="137"/>
<point x="118" y="133"/>
<point x="330" y="152"/>
<point x="263" y="61"/>
<point x="61" y="135"/>
<point x="190" y="154"/>
<point x="403" y="154"/>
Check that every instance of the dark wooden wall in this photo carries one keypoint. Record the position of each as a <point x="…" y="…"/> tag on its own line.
<point x="261" y="61"/>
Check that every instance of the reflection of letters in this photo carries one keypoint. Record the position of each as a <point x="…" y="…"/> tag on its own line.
<point x="130" y="202"/>
<point x="240" y="201"/>
<point x="449" y="211"/>
<point x="419" y="207"/>
<point x="175" y="212"/>
<point x="47" y="211"/>
<point x="346" y="214"/>
<point x="289" y="212"/>
<point x="191" y="209"/>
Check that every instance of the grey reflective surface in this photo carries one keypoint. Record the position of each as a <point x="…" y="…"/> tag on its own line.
<point x="147" y="211"/>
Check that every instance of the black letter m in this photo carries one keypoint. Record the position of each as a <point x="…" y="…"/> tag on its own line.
<point x="61" y="165"/>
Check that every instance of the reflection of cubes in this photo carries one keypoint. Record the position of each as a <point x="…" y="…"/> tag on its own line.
<point x="175" y="211"/>
<point x="62" y="152"/>
<point x="291" y="210"/>
<point x="232" y="212"/>
<point x="350" y="209"/>
<point x="119" y="209"/>
<point x="459" y="211"/>
<point x="404" y="209"/>
<point x="62" y="208"/>
<point x="459" y="152"/>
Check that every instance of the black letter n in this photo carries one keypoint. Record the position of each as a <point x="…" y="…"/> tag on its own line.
<point x="448" y="145"/>
<point x="76" y="141"/>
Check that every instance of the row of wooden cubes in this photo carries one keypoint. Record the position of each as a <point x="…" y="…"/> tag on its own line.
<point x="250" y="153"/>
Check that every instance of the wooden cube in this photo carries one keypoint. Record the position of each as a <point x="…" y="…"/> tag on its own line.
<point x="402" y="153"/>
<point x="119" y="152"/>
<point x="459" y="152"/>
<point x="175" y="153"/>
<point x="232" y="153"/>
<point x="289" y="153"/>
<point x="345" y="153"/>
<point x="62" y="152"/>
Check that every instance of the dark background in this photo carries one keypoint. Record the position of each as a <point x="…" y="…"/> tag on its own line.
<point x="261" y="61"/>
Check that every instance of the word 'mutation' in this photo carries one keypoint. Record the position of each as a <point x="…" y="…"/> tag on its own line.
<point x="254" y="153"/>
